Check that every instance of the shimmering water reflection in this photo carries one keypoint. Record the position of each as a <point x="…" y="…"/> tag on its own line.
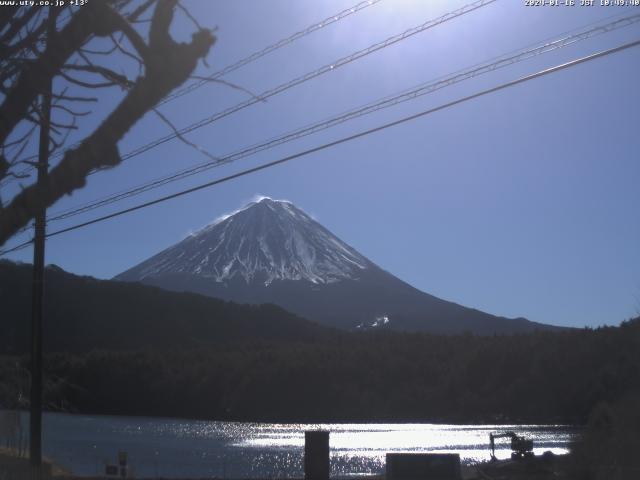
<point x="172" y="448"/>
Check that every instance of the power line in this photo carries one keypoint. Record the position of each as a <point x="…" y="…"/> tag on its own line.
<point x="472" y="72"/>
<point x="304" y="78"/>
<point x="16" y="248"/>
<point x="349" y="138"/>
<point x="336" y="17"/>
<point x="310" y="75"/>
<point x="271" y="48"/>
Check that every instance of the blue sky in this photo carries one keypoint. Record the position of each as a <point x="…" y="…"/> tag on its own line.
<point x="522" y="203"/>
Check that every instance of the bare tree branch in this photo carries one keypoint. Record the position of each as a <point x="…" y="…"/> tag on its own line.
<point x="74" y="98"/>
<point x="167" y="65"/>
<point x="135" y="15"/>
<point x="182" y="138"/>
<point x="94" y="17"/>
<point x="231" y="85"/>
<point x="110" y="75"/>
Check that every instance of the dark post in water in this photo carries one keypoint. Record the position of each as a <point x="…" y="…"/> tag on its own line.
<point x="316" y="455"/>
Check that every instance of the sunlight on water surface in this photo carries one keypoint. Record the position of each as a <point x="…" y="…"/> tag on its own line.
<point x="171" y="448"/>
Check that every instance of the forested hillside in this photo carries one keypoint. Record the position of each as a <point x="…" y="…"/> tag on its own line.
<point x="547" y="377"/>
<point x="83" y="314"/>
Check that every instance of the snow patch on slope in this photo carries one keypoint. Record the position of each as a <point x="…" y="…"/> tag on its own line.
<point x="264" y="241"/>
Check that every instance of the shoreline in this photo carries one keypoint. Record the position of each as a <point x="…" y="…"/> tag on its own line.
<point x="443" y="423"/>
<point x="539" y="467"/>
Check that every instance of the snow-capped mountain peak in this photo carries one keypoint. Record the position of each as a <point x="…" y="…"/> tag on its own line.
<point x="270" y="251"/>
<point x="264" y="241"/>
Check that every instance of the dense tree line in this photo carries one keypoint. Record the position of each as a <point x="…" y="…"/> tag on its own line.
<point x="543" y="377"/>
<point x="608" y="447"/>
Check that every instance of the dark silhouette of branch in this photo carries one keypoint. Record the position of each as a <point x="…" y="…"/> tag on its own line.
<point x="183" y="139"/>
<point x="108" y="74"/>
<point x="231" y="85"/>
<point x="74" y="98"/>
<point x="35" y="75"/>
<point x="167" y="64"/>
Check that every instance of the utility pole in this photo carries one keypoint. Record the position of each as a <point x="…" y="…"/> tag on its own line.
<point x="37" y="298"/>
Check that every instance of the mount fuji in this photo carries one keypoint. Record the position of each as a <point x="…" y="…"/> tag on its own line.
<point x="270" y="251"/>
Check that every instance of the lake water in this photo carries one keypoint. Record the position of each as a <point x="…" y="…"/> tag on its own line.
<point x="160" y="447"/>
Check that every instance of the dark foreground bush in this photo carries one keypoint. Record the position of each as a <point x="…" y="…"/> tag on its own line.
<point x="609" y="449"/>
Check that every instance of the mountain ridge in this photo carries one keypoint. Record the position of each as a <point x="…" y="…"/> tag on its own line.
<point x="270" y="251"/>
<point x="293" y="248"/>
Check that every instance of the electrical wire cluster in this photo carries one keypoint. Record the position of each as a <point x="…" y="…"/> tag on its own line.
<point x="590" y="31"/>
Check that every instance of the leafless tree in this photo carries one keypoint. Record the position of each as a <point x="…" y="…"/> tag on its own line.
<point x="79" y="52"/>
